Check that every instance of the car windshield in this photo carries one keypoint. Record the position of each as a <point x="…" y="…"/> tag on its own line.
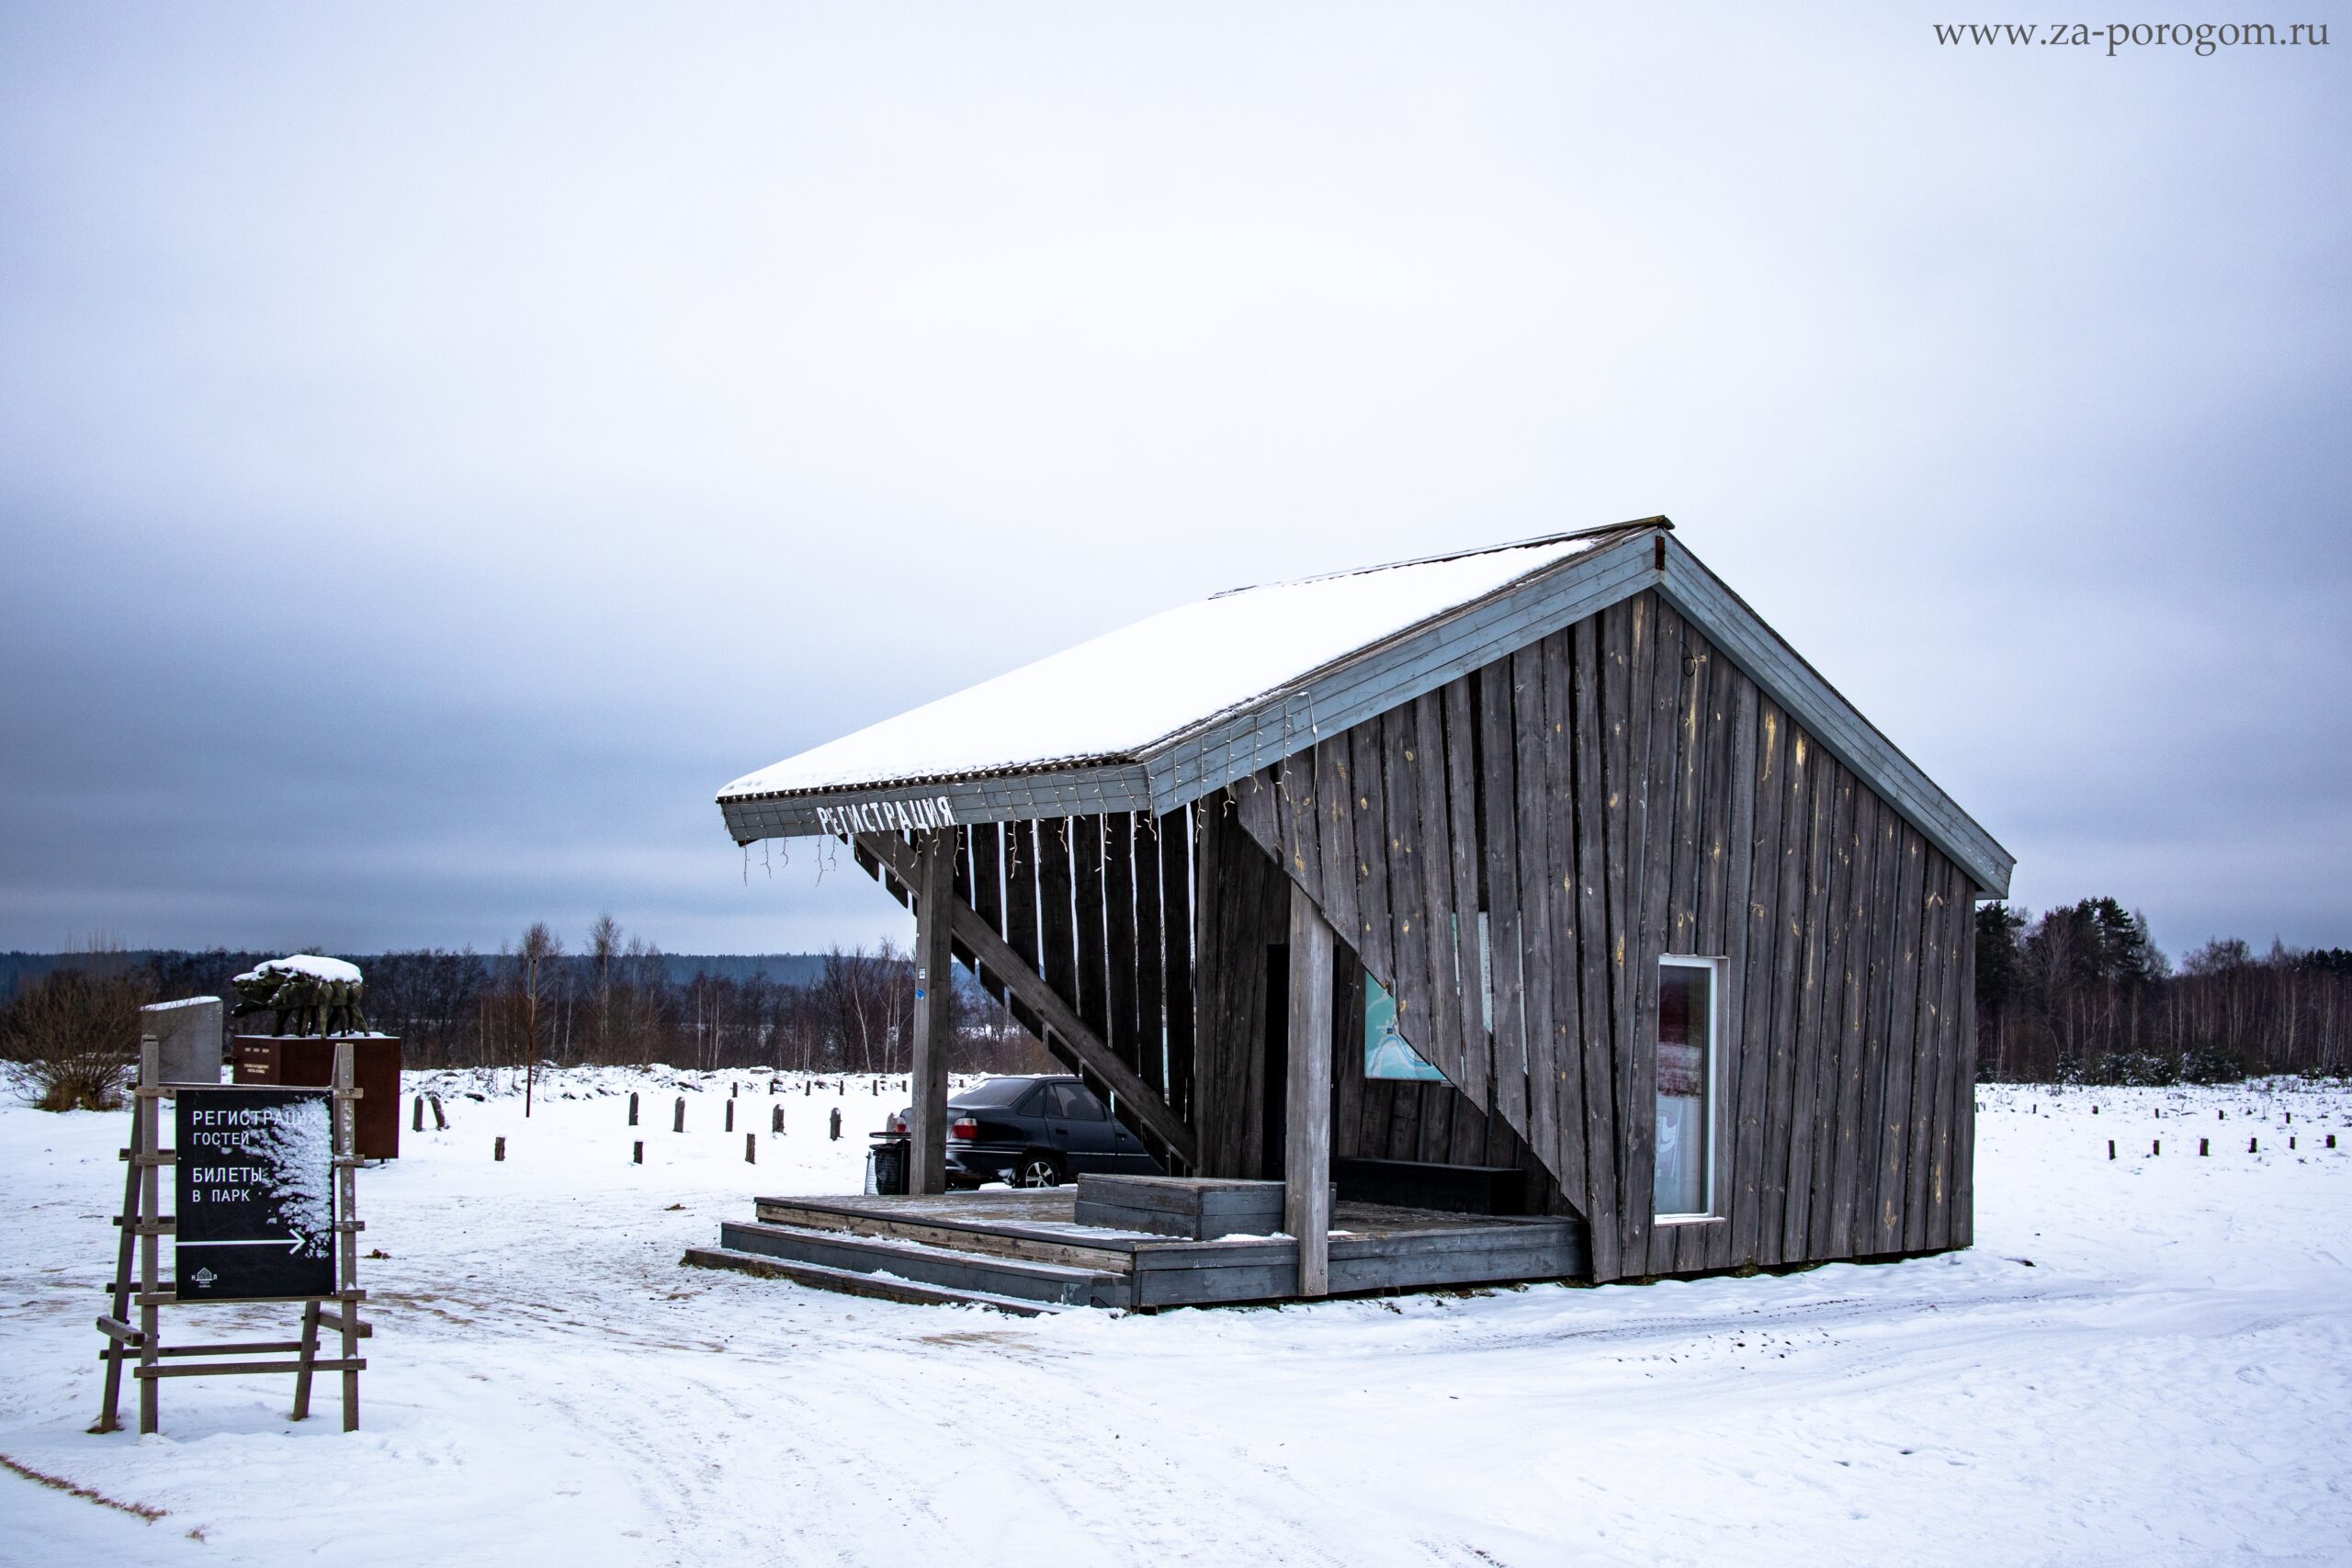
<point x="994" y="1095"/>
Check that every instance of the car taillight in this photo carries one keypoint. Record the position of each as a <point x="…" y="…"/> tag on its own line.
<point x="965" y="1129"/>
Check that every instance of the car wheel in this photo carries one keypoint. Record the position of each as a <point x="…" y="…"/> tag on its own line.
<point x="1038" y="1171"/>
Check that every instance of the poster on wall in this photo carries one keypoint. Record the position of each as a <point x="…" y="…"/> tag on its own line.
<point x="1385" y="1053"/>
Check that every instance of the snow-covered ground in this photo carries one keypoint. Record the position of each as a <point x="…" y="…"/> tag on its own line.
<point x="2143" y="1361"/>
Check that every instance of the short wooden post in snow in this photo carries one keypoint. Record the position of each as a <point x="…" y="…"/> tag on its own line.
<point x="775" y="1121"/>
<point x="678" y="1116"/>
<point x="2111" y="1148"/>
<point x="731" y="1113"/>
<point x="2254" y="1145"/>
<point x="416" y="1122"/>
<point x="837" y="1123"/>
<point x="632" y="1108"/>
<point x="2204" y="1146"/>
<point x="750" y="1148"/>
<point x="498" y="1149"/>
<point x="637" y="1153"/>
<point x="440" y="1121"/>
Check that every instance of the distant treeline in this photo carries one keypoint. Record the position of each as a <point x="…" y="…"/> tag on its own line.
<point x="2078" y="994"/>
<point x="619" y="1001"/>
<point x="2082" y="995"/>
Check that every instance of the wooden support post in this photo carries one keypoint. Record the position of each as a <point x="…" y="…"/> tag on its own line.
<point x="750" y="1148"/>
<point x="837" y="1125"/>
<point x="632" y="1108"/>
<point x="935" y="990"/>
<point x="347" y="1211"/>
<point x="498" y="1147"/>
<point x="1307" y="1152"/>
<point x="440" y="1121"/>
<point x="637" y="1153"/>
<point x="109" y="1401"/>
<point x="730" y="1114"/>
<point x="151" y="1210"/>
<point x="775" y="1121"/>
<point x="416" y="1122"/>
<point x="678" y="1115"/>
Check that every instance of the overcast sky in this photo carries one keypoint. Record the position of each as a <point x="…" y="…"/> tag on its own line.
<point x="440" y="447"/>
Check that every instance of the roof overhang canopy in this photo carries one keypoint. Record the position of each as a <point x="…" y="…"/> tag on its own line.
<point x="1166" y="710"/>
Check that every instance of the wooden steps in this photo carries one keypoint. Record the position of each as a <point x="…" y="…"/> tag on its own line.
<point x="850" y="1282"/>
<point x="1007" y="1236"/>
<point x="928" y="1264"/>
<point x="994" y="1248"/>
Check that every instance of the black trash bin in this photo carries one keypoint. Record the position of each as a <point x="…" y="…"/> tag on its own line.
<point x="886" y="1168"/>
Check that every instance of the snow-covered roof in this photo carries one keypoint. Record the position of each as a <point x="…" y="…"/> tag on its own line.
<point x="1141" y="687"/>
<point x="1163" y="712"/>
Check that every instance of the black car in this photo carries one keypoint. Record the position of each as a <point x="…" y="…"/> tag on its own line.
<point x="1033" y="1132"/>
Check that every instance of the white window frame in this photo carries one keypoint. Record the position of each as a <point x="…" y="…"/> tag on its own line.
<point x="1709" y="1177"/>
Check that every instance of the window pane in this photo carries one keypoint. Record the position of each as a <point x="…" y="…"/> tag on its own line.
<point x="1685" y="1080"/>
<point x="1076" y="1102"/>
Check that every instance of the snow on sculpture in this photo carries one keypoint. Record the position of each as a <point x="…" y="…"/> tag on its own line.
<point x="317" y="996"/>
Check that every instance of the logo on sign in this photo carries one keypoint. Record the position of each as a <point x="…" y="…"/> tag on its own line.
<point x="887" y="816"/>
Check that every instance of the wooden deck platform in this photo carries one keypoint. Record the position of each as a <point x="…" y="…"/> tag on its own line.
<point x="1023" y="1249"/>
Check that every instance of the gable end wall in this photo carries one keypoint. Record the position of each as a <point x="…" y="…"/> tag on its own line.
<point x="1617" y="791"/>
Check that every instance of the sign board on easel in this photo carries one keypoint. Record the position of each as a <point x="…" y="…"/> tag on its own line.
<point x="255" y="1194"/>
<point x="263" y="1179"/>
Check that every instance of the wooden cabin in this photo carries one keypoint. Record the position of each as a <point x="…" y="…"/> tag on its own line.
<point x="1543" y="883"/>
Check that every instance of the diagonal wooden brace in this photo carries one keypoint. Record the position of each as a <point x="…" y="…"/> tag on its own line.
<point x="1060" y="1019"/>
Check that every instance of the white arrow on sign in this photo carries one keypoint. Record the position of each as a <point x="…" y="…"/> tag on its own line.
<point x="295" y="1242"/>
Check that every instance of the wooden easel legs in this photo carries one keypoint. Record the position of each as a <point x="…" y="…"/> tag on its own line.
<point x="309" y="1354"/>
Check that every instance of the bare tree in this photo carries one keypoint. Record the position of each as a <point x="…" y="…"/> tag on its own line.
<point x="604" y="947"/>
<point x="534" y="961"/>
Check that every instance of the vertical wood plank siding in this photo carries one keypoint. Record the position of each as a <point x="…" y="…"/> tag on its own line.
<point x="1178" y="964"/>
<point x="1119" y="927"/>
<point x="1614" y="794"/>
<point x="1569" y="1110"/>
<point x="1150" y="949"/>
